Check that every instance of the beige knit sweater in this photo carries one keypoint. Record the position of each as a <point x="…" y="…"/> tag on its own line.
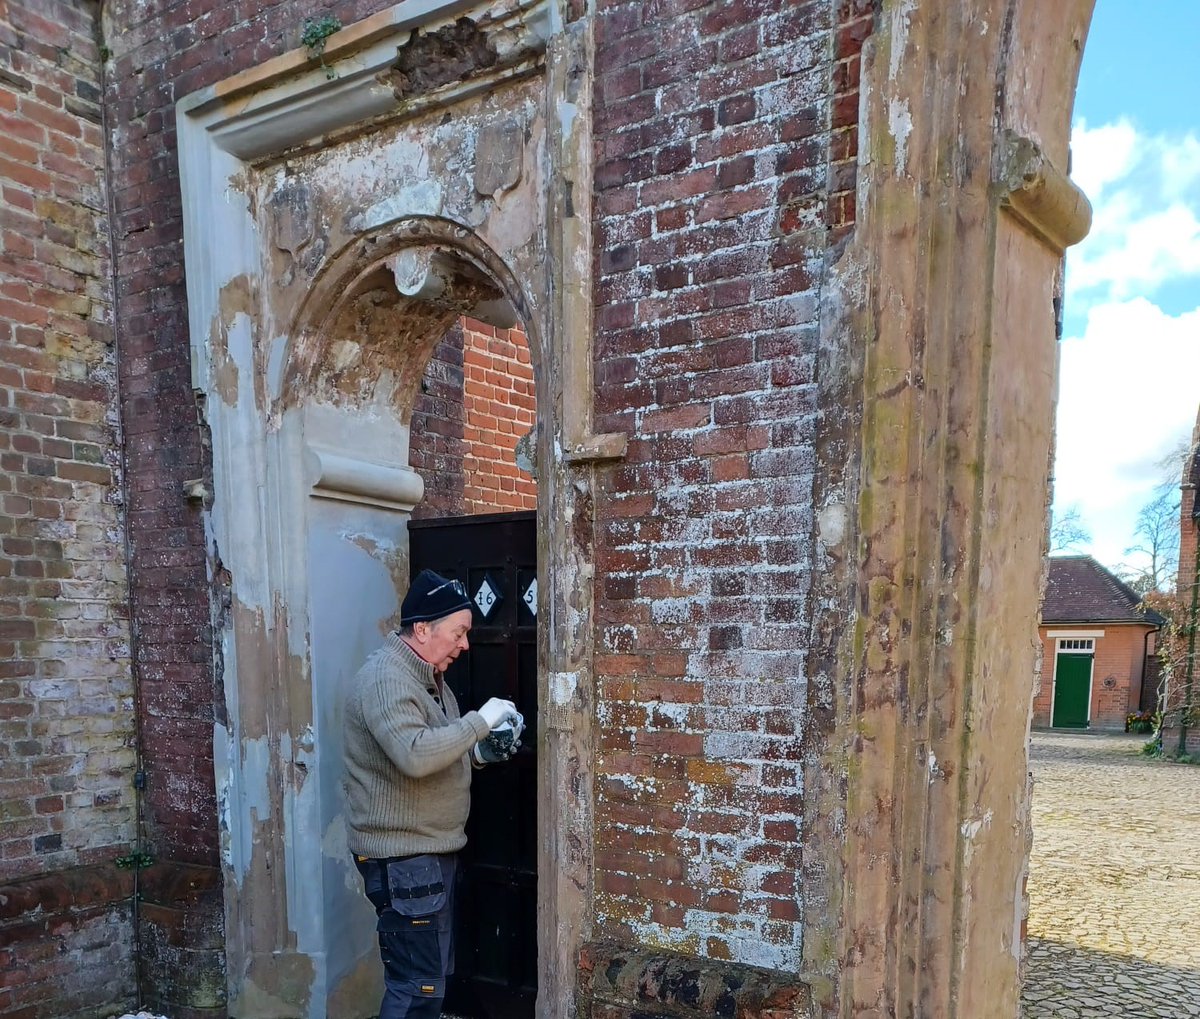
<point x="408" y="774"/>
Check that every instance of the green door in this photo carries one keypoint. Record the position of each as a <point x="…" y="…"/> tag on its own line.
<point x="1072" y="691"/>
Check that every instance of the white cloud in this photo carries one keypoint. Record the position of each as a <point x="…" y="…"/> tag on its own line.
<point x="1135" y="255"/>
<point x="1181" y="166"/>
<point x="1128" y="394"/>
<point x="1101" y="155"/>
<point x="1145" y="192"/>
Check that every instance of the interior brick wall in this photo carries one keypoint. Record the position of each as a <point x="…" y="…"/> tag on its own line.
<point x="67" y="721"/>
<point x="436" y="448"/>
<point x="1116" y="675"/>
<point x="500" y="408"/>
<point x="718" y="193"/>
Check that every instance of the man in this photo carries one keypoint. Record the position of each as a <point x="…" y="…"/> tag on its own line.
<point x="408" y="779"/>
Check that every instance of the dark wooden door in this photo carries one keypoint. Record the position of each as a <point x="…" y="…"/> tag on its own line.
<point x="496" y="931"/>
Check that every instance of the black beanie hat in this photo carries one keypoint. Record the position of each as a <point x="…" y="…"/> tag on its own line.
<point x="431" y="597"/>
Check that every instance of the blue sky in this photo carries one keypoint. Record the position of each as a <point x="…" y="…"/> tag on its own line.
<point x="1129" y="385"/>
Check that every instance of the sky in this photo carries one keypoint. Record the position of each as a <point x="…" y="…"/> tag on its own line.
<point x="1129" y="382"/>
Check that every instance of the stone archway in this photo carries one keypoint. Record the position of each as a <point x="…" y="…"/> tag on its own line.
<point x="302" y="195"/>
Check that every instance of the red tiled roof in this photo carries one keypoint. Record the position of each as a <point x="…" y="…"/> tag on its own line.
<point x="1080" y="590"/>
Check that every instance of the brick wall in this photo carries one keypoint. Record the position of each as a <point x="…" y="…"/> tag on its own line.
<point x="855" y="20"/>
<point x="436" y="447"/>
<point x="160" y="53"/>
<point x="500" y="408"/>
<point x="1188" y="534"/>
<point x="713" y="213"/>
<point x="476" y="400"/>
<point x="66" y="707"/>
<point x="1116" y="675"/>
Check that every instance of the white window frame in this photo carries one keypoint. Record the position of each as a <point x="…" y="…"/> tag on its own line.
<point x="1076" y="645"/>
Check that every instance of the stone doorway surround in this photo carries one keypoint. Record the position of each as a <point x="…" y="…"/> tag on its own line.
<point x="453" y="165"/>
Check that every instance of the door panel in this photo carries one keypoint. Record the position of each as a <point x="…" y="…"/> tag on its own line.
<point x="496" y="930"/>
<point x="1072" y="691"/>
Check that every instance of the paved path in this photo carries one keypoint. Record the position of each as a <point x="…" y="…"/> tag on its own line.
<point x="1114" y="883"/>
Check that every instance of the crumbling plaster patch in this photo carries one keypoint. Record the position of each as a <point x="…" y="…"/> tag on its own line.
<point x="418" y="170"/>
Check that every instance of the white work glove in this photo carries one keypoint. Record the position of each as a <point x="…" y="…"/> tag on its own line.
<point x="495" y="711"/>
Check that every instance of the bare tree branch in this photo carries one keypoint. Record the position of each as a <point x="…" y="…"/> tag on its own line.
<point x="1067" y="533"/>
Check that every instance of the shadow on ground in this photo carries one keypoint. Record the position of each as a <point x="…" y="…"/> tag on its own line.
<point x="1114" y="881"/>
<point x="1065" y="981"/>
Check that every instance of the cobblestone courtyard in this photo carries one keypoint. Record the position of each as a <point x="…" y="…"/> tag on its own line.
<point x="1114" y="884"/>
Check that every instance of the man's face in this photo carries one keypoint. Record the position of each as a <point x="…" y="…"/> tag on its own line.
<point x="443" y="640"/>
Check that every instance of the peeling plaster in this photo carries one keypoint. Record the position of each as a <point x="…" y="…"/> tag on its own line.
<point x="972" y="827"/>
<point x="393" y="559"/>
<point x="335" y="847"/>
<point x="276" y="362"/>
<point x="425" y="198"/>
<point x="899" y="42"/>
<point x="237" y="298"/>
<point x="562" y="687"/>
<point x="831" y="524"/>
<point x="900" y="126"/>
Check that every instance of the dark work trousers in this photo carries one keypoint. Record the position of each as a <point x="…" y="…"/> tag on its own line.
<point x="413" y="897"/>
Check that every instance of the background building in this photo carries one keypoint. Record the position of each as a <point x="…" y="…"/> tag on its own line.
<point x="1097" y="644"/>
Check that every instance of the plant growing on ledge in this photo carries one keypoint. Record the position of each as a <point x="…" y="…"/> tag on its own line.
<point x="1141" y="721"/>
<point x="316" y="31"/>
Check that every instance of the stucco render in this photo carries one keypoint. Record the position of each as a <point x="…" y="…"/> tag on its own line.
<point x="313" y="352"/>
<point x="788" y="275"/>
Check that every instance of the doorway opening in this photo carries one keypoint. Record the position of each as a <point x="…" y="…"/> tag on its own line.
<point x="473" y="441"/>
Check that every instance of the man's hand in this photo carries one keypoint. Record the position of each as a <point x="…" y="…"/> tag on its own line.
<point x="495" y="711"/>
<point x="505" y="738"/>
<point x="491" y="751"/>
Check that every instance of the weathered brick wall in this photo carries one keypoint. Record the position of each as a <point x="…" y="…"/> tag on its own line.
<point x="159" y="54"/>
<point x="1188" y="534"/>
<point x="854" y="22"/>
<point x="1116" y="676"/>
<point x="713" y="212"/>
<point x="66" y="695"/>
<point x="436" y="448"/>
<point x="613" y="977"/>
<point x="500" y="408"/>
